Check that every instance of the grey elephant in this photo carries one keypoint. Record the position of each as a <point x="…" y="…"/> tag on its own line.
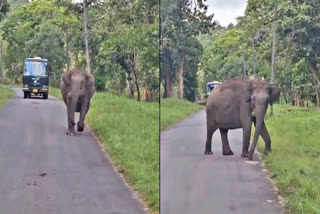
<point x="77" y="89"/>
<point x="232" y="104"/>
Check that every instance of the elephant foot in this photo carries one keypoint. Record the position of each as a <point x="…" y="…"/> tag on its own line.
<point x="267" y="151"/>
<point x="73" y="123"/>
<point x="245" y="154"/>
<point x="208" y="152"/>
<point x="250" y="156"/>
<point x="69" y="132"/>
<point x="80" y="126"/>
<point x="227" y="152"/>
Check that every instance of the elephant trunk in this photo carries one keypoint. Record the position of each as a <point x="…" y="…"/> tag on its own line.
<point x="74" y="97"/>
<point x="260" y="111"/>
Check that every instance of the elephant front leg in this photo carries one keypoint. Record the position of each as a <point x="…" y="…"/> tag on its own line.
<point x="71" y="122"/>
<point x="266" y="138"/>
<point x="83" y="112"/>
<point x="226" y="150"/>
<point x="210" y="131"/>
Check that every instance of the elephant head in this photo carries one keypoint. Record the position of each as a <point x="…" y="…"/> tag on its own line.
<point x="262" y="94"/>
<point x="77" y="89"/>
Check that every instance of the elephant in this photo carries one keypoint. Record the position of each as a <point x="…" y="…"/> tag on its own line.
<point x="77" y="89"/>
<point x="232" y="104"/>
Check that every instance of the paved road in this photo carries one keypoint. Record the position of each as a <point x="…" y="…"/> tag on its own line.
<point x="192" y="182"/>
<point x="44" y="171"/>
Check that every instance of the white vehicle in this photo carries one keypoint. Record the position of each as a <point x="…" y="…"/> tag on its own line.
<point x="210" y="86"/>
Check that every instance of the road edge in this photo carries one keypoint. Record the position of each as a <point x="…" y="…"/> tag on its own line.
<point x="135" y="194"/>
<point x="267" y="175"/>
<point x="180" y="121"/>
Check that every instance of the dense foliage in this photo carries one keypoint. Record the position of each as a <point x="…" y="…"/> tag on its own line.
<point x="180" y="54"/>
<point x="123" y="42"/>
<point x="246" y="48"/>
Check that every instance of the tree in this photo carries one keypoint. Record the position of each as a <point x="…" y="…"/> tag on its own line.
<point x="301" y="28"/>
<point x="297" y="47"/>
<point x="39" y="29"/>
<point x="4" y="8"/>
<point x="85" y="29"/>
<point x="130" y="45"/>
<point x="274" y="48"/>
<point x="181" y="20"/>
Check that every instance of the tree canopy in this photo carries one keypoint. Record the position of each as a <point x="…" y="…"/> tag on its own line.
<point x="123" y="42"/>
<point x="245" y="49"/>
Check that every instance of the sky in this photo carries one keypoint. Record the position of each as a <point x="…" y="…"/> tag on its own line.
<point x="226" y="11"/>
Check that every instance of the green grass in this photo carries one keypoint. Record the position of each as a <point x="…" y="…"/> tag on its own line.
<point x="55" y="92"/>
<point x="174" y="110"/>
<point x="294" y="161"/>
<point x="129" y="132"/>
<point x="5" y="94"/>
<point x="295" y="157"/>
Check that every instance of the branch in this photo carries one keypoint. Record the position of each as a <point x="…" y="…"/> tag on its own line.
<point x="274" y="19"/>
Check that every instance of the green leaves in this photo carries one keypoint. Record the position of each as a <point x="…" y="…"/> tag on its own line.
<point x="4" y="9"/>
<point x="232" y="51"/>
<point x="40" y="28"/>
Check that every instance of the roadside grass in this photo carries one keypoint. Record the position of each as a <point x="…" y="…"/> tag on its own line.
<point x="174" y="110"/>
<point x="294" y="161"/>
<point x="129" y="132"/>
<point x="5" y="94"/>
<point x="55" y="92"/>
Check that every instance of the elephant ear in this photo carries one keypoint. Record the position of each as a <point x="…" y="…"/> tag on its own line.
<point x="250" y="90"/>
<point x="66" y="78"/>
<point x="274" y="93"/>
<point x="90" y="81"/>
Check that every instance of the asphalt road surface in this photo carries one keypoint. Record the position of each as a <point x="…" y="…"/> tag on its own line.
<point x="44" y="171"/>
<point x="192" y="182"/>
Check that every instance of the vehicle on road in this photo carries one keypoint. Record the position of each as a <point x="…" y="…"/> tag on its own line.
<point x="210" y="86"/>
<point x="35" y="80"/>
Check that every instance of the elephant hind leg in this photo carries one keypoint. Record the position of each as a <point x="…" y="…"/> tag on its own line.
<point x="210" y="130"/>
<point x="226" y="150"/>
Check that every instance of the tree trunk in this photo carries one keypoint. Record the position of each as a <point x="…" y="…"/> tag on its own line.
<point x="137" y="85"/>
<point x="274" y="44"/>
<point x="147" y="95"/>
<point x="90" y="61"/>
<point x="130" y="86"/>
<point x="1" y="68"/>
<point x="68" y="54"/>
<point x="254" y="58"/>
<point x="181" y="79"/>
<point x="149" y="18"/>
<point x="274" y="49"/>
<point x="86" y="35"/>
<point x="284" y="94"/>
<point x="168" y="86"/>
<point x="244" y="67"/>
<point x="134" y="71"/>
<point x="316" y="79"/>
<point x="76" y="58"/>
